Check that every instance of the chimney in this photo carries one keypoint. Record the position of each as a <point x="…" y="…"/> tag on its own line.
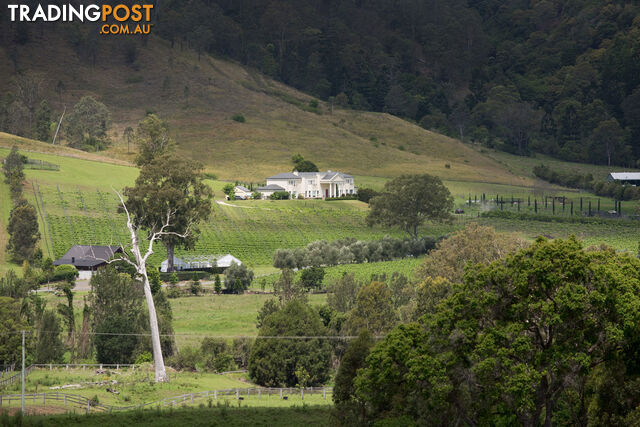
<point x="295" y="172"/>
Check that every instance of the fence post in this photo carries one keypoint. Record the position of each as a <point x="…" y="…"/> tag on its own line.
<point x="259" y="393"/>
<point x="65" y="400"/>
<point x="580" y="205"/>
<point x="67" y="367"/>
<point x="589" y="207"/>
<point x="215" y="394"/>
<point x="302" y="393"/>
<point x="280" y="393"/>
<point x="553" y="205"/>
<point x="50" y="368"/>
<point x="237" y="394"/>
<point x="324" y="393"/>
<point x="535" y="205"/>
<point x="598" y="205"/>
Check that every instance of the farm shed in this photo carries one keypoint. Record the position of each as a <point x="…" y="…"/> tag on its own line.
<point x="88" y="258"/>
<point x="201" y="262"/>
<point x="632" y="178"/>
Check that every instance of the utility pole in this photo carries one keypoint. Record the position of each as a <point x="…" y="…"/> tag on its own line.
<point x="22" y="373"/>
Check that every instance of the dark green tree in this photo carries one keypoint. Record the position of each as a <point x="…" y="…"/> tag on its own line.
<point x="170" y="193"/>
<point x="291" y="362"/>
<point x="302" y="165"/>
<point x="49" y="347"/>
<point x="238" y="273"/>
<point x="348" y="406"/>
<point x="532" y="331"/>
<point x="117" y="305"/>
<point x="217" y="284"/>
<point x="42" y="130"/>
<point x="410" y="200"/>
<point x="312" y="277"/>
<point x="23" y="231"/>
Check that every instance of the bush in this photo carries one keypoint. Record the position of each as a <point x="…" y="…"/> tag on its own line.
<point x="238" y="118"/>
<point x="351" y="251"/>
<point x="291" y="363"/>
<point x="189" y="358"/>
<point x="311" y="278"/>
<point x="64" y="272"/>
<point x="366" y="194"/>
<point x="238" y="278"/>
<point x="280" y="195"/>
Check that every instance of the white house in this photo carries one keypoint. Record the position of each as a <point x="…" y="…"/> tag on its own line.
<point x="243" y="192"/>
<point x="311" y="185"/>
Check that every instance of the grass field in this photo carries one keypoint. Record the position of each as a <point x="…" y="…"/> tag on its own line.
<point x="298" y="415"/>
<point x="137" y="387"/>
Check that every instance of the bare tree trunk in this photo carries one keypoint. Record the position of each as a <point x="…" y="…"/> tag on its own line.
<point x="158" y="360"/>
<point x="170" y="256"/>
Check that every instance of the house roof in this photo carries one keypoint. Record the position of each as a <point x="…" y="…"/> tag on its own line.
<point x="625" y="176"/>
<point x="187" y="260"/>
<point x="241" y="188"/>
<point x="88" y="255"/>
<point x="271" y="187"/>
<point x="300" y="175"/>
<point x="287" y="175"/>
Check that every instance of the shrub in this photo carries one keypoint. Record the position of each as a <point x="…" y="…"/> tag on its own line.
<point x="238" y="118"/>
<point x="279" y="195"/>
<point x="238" y="278"/>
<point x="65" y="272"/>
<point x="311" y="278"/>
<point x="189" y="358"/>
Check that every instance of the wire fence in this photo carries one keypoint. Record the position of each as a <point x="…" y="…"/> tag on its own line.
<point x="75" y="401"/>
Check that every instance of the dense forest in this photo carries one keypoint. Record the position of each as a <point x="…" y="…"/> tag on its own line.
<point x="550" y="76"/>
<point x="558" y="77"/>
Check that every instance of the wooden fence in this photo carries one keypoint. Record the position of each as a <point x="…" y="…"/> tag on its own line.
<point x="16" y="377"/>
<point x="74" y="401"/>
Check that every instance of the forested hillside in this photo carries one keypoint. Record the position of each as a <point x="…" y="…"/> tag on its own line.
<point x="559" y="77"/>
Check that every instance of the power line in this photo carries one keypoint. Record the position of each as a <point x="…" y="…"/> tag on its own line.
<point x="282" y="337"/>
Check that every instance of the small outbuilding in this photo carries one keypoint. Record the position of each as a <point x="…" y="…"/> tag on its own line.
<point x="214" y="263"/>
<point x="632" y="178"/>
<point x="88" y="258"/>
<point x="242" y="192"/>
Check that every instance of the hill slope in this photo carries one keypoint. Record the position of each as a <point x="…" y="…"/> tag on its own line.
<point x="198" y="98"/>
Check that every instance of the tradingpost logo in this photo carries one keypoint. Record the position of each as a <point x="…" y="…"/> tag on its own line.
<point x="116" y="19"/>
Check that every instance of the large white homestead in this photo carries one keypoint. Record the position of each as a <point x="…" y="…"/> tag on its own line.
<point x="311" y="185"/>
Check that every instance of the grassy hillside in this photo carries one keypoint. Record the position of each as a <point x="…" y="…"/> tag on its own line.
<point x="198" y="98"/>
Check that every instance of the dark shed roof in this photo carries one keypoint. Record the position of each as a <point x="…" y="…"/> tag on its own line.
<point x="88" y="255"/>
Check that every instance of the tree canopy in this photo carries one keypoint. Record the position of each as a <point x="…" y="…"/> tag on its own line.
<point x="291" y="362"/>
<point x="170" y="186"/>
<point x="87" y="125"/>
<point x="527" y="340"/>
<point x="410" y="200"/>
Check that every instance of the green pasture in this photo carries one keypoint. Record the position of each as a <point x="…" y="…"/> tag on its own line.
<point x="220" y="315"/>
<point x="136" y="387"/>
